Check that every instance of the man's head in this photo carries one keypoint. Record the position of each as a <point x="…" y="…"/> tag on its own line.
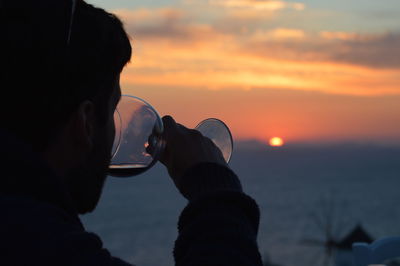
<point x="61" y="86"/>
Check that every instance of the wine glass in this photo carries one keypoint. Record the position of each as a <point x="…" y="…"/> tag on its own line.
<point x="139" y="140"/>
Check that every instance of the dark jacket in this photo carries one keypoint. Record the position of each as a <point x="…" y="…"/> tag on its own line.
<point x="39" y="226"/>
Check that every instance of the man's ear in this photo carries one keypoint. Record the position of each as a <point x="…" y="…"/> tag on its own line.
<point x="84" y="125"/>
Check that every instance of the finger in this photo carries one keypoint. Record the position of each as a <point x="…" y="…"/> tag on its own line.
<point x="157" y="130"/>
<point x="151" y="144"/>
<point x="170" y="126"/>
<point x="196" y="133"/>
<point x="169" y="122"/>
<point x="182" y="129"/>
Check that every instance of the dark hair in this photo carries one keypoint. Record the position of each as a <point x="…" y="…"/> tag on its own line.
<point x="45" y="78"/>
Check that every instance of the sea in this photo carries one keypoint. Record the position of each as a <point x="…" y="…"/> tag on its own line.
<point x="307" y="194"/>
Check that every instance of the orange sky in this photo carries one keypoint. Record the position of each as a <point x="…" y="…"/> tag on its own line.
<point x="241" y="61"/>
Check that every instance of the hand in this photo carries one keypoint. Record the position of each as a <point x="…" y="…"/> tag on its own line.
<point x="185" y="148"/>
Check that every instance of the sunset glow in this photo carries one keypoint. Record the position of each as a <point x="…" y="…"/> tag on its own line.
<point x="306" y="70"/>
<point x="276" y="142"/>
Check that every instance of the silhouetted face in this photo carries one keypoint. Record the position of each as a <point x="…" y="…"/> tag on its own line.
<point x="86" y="181"/>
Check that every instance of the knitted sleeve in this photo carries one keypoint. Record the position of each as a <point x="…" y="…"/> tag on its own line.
<point x="219" y="225"/>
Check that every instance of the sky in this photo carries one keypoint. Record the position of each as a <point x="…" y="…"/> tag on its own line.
<point x="305" y="71"/>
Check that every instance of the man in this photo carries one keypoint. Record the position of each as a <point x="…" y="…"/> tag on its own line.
<point x="61" y="64"/>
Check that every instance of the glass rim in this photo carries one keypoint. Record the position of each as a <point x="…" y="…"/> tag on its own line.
<point x="148" y="105"/>
<point x="119" y="134"/>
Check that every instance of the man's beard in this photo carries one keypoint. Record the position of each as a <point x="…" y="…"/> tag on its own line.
<point x="85" y="182"/>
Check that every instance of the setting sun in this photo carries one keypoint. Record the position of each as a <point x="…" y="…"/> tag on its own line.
<point x="276" y="142"/>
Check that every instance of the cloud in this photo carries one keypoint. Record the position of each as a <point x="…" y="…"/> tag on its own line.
<point x="154" y="16"/>
<point x="174" y="48"/>
<point x="161" y="22"/>
<point x="182" y="27"/>
<point x="167" y="24"/>
<point x="212" y="67"/>
<point x="380" y="51"/>
<point x="258" y="4"/>
<point x="374" y="51"/>
<point x="278" y="34"/>
<point x="339" y="35"/>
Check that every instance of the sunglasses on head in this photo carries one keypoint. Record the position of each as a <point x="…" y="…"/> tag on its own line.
<point x="73" y="2"/>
